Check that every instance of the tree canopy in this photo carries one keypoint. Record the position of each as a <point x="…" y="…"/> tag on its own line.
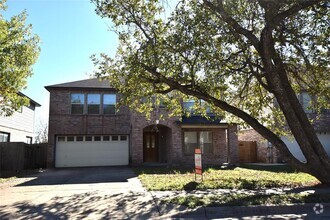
<point x="247" y="60"/>
<point x="19" y="50"/>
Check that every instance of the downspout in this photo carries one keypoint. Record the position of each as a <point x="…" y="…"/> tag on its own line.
<point x="227" y="145"/>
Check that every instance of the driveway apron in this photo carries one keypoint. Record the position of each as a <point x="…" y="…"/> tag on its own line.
<point x="75" y="193"/>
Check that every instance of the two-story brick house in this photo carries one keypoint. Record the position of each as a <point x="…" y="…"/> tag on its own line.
<point x="86" y="129"/>
<point x="265" y="152"/>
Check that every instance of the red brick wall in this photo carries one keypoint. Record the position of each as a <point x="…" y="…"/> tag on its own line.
<point x="233" y="144"/>
<point x="139" y="122"/>
<point x="176" y="155"/>
<point x="61" y="122"/>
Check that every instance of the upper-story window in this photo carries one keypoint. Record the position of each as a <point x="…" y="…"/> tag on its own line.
<point x="93" y="102"/>
<point x="77" y="104"/>
<point x="310" y="103"/>
<point x="306" y="102"/>
<point x="188" y="106"/>
<point x="109" y="103"/>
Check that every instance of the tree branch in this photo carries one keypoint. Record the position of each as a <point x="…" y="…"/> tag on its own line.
<point x="137" y="23"/>
<point x="265" y="132"/>
<point x="219" y="9"/>
<point x="257" y="75"/>
<point x="302" y="4"/>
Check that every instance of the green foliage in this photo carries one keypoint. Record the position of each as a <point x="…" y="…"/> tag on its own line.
<point x="240" y="199"/>
<point x="2" y="180"/>
<point x="19" y="50"/>
<point x="163" y="49"/>
<point x="238" y="178"/>
<point x="248" y="60"/>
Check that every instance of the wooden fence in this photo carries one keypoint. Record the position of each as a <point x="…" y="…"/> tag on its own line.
<point x="247" y="151"/>
<point x="18" y="156"/>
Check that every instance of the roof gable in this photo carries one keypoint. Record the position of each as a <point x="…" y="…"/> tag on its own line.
<point x="31" y="100"/>
<point x="87" y="83"/>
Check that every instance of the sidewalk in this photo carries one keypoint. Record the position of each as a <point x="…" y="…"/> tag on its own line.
<point x="293" y="211"/>
<point x="251" y="212"/>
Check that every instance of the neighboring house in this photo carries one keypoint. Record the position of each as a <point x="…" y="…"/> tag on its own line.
<point x="321" y="123"/>
<point x="19" y="127"/>
<point x="85" y="129"/>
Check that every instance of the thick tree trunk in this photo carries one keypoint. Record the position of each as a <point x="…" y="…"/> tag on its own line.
<point x="318" y="162"/>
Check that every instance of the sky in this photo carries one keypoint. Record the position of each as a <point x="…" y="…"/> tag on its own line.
<point x="70" y="32"/>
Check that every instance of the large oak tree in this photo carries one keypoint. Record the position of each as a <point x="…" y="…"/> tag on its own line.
<point x="19" y="50"/>
<point x="248" y="58"/>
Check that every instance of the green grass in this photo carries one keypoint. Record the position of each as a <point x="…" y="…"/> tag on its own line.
<point x="248" y="200"/>
<point x="162" y="179"/>
<point x="2" y="180"/>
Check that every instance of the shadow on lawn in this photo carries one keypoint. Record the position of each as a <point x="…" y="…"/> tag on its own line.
<point x="230" y="199"/>
<point x="186" y="170"/>
<point x="177" y="170"/>
<point x="283" y="168"/>
<point x="85" y="205"/>
<point x="163" y="170"/>
<point x="190" y="186"/>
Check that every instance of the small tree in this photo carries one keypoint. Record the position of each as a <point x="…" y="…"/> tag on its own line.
<point x="237" y="55"/>
<point x="18" y="52"/>
<point x="42" y="133"/>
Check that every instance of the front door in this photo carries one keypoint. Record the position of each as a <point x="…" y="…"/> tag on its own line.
<point x="150" y="147"/>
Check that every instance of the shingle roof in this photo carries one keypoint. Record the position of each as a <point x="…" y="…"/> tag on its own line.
<point x="87" y="83"/>
<point x="31" y="100"/>
<point x="199" y="120"/>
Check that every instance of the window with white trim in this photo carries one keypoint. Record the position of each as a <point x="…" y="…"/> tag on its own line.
<point x="77" y="104"/>
<point x="205" y="141"/>
<point x="93" y="104"/>
<point x="61" y="139"/>
<point x="109" y="104"/>
<point x="190" y="142"/>
<point x="197" y="139"/>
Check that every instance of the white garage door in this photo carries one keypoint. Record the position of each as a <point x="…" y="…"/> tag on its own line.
<point x="97" y="150"/>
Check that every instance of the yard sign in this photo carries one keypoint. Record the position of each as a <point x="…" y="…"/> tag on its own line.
<point x="198" y="163"/>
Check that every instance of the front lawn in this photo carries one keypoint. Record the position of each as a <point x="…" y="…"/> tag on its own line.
<point x="162" y="179"/>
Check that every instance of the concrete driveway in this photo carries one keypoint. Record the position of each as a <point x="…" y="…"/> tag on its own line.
<point x="76" y="193"/>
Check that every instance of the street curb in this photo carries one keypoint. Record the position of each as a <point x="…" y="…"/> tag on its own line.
<point x="291" y="211"/>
